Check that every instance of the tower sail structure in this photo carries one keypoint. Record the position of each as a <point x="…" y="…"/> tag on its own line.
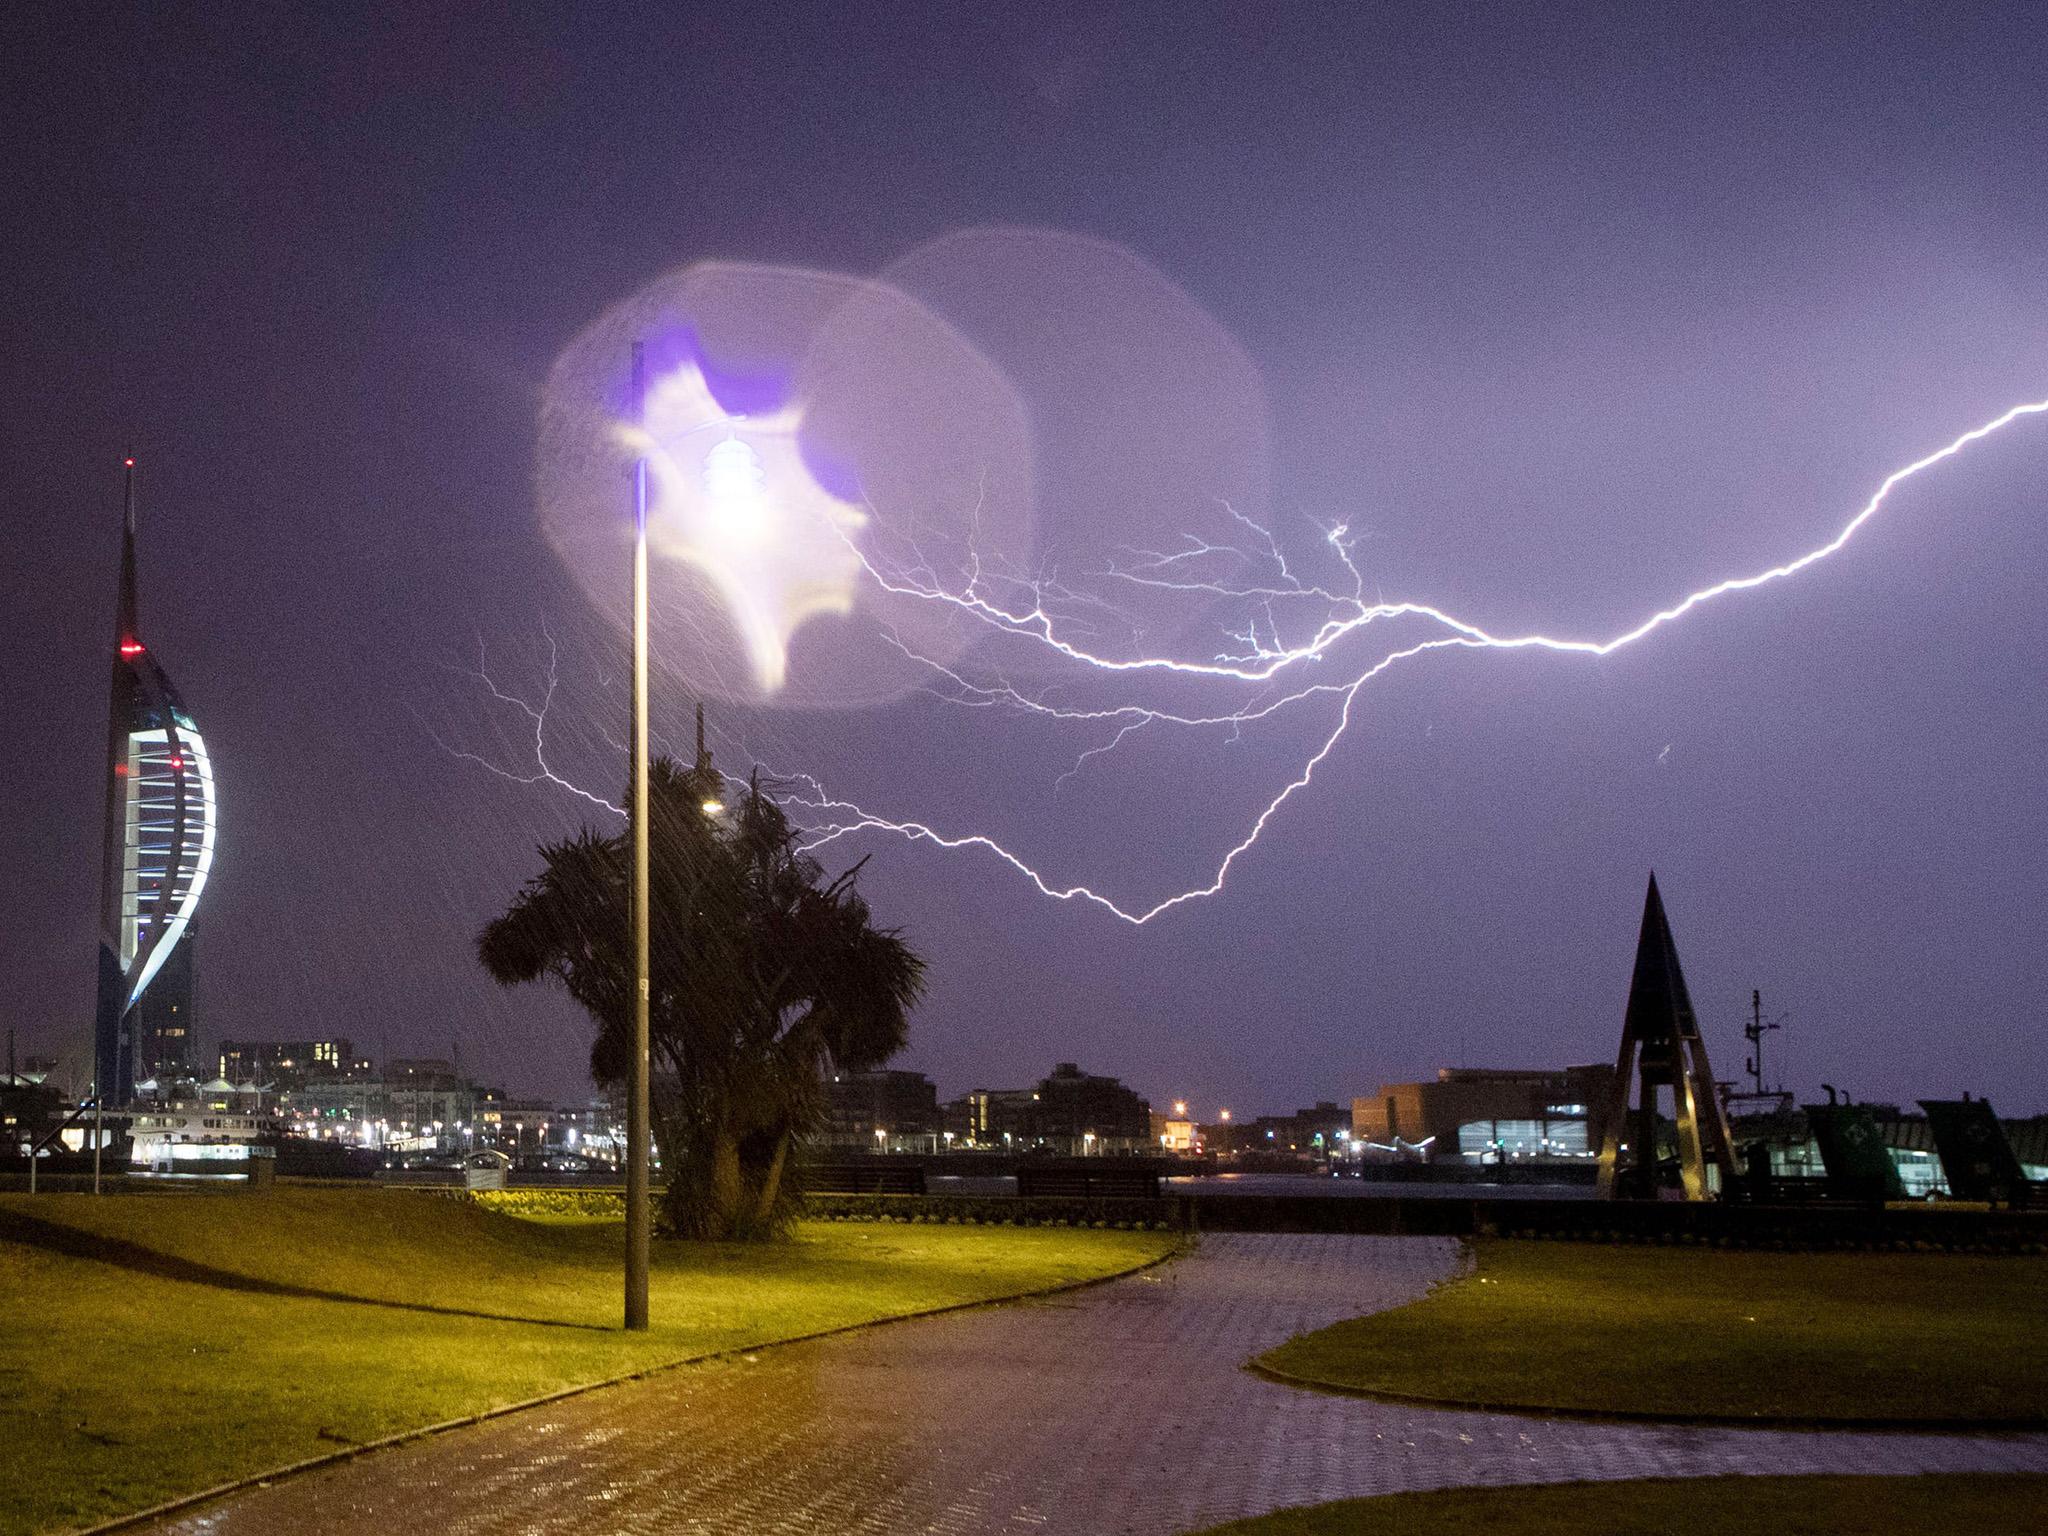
<point x="1660" y="1036"/>
<point x="161" y="826"/>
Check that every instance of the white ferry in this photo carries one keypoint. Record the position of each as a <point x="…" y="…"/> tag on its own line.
<point x="198" y="1139"/>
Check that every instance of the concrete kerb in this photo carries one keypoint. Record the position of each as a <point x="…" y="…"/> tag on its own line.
<point x="1819" y="1425"/>
<point x="1183" y="1244"/>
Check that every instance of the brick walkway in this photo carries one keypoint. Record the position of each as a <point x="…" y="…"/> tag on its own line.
<point x="1118" y="1409"/>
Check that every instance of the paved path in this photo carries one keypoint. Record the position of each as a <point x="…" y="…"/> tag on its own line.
<point x="1118" y="1409"/>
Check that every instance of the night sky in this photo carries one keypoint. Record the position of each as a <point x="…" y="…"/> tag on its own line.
<point x="1564" y="311"/>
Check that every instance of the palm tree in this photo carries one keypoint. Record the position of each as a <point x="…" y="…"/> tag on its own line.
<point x="765" y="975"/>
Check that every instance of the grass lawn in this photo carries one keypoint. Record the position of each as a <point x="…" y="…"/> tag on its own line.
<point x="1681" y="1332"/>
<point x="162" y="1342"/>
<point x="1711" y="1506"/>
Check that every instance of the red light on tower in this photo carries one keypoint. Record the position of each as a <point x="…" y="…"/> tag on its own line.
<point x="131" y="647"/>
<point x="127" y="463"/>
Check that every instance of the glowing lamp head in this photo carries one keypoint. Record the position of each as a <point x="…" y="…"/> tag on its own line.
<point x="747" y="512"/>
<point x="712" y="807"/>
<point x="732" y="473"/>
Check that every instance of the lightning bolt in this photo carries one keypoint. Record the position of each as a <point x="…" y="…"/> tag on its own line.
<point x="1261" y="661"/>
<point x="1043" y="615"/>
<point x="537" y="717"/>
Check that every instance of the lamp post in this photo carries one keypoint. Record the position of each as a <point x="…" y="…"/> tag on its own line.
<point x="639" y="1139"/>
<point x="637" y="1133"/>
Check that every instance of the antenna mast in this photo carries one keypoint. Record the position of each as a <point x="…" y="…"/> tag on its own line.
<point x="1754" y="1032"/>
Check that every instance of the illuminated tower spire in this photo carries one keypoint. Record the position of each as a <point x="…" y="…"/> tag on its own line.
<point x="157" y="849"/>
<point x="125" y="629"/>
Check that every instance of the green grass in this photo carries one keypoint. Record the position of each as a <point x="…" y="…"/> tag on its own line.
<point x="1711" y="1506"/>
<point x="1687" y="1332"/>
<point x="159" y="1343"/>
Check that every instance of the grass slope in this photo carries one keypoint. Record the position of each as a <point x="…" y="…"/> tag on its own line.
<point x="158" y="1343"/>
<point x="1711" y="1506"/>
<point x="1680" y="1332"/>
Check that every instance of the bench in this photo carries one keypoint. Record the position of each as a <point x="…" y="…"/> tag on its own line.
<point x="1106" y="1181"/>
<point x="864" y="1179"/>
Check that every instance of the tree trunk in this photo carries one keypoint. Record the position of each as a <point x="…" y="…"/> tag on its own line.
<point x="726" y="1188"/>
<point x="771" y="1186"/>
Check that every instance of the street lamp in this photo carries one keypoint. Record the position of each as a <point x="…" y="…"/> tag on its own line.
<point x="637" y="1131"/>
<point x="639" y="1137"/>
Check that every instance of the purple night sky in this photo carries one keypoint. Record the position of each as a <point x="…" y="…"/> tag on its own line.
<point x="1563" y="311"/>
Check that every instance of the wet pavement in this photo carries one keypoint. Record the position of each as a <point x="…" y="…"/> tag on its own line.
<point x="1120" y="1409"/>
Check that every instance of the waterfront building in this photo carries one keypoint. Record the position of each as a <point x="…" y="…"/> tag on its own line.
<point x="594" y="1131"/>
<point x="1001" y="1118"/>
<point x="881" y="1111"/>
<point x="1485" y="1115"/>
<point x="1318" y="1132"/>
<point x="157" y="849"/>
<point x="289" y="1064"/>
<point x="413" y="1105"/>
<point x="424" y="1107"/>
<point x="1070" y="1113"/>
<point x="517" y="1127"/>
<point x="29" y="1110"/>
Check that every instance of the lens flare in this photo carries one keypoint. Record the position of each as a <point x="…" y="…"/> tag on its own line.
<point x="793" y="421"/>
<point x="746" y="513"/>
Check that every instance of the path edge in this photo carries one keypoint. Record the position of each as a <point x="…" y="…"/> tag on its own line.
<point x="1813" y="1424"/>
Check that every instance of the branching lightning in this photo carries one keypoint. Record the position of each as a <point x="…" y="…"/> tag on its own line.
<point x="1264" y="660"/>
<point x="1260" y="671"/>
<point x="537" y="717"/>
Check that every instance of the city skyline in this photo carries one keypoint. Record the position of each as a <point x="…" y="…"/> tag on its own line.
<point x="1654" y="306"/>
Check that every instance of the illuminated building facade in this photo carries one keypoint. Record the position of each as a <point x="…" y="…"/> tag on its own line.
<point x="1070" y="1113"/>
<point x="159" y="840"/>
<point x="876" y="1111"/>
<point x="289" y="1064"/>
<point x="1485" y="1115"/>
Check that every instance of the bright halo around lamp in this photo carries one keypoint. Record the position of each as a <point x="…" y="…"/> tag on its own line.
<point x="731" y="497"/>
<point x="792" y="421"/>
